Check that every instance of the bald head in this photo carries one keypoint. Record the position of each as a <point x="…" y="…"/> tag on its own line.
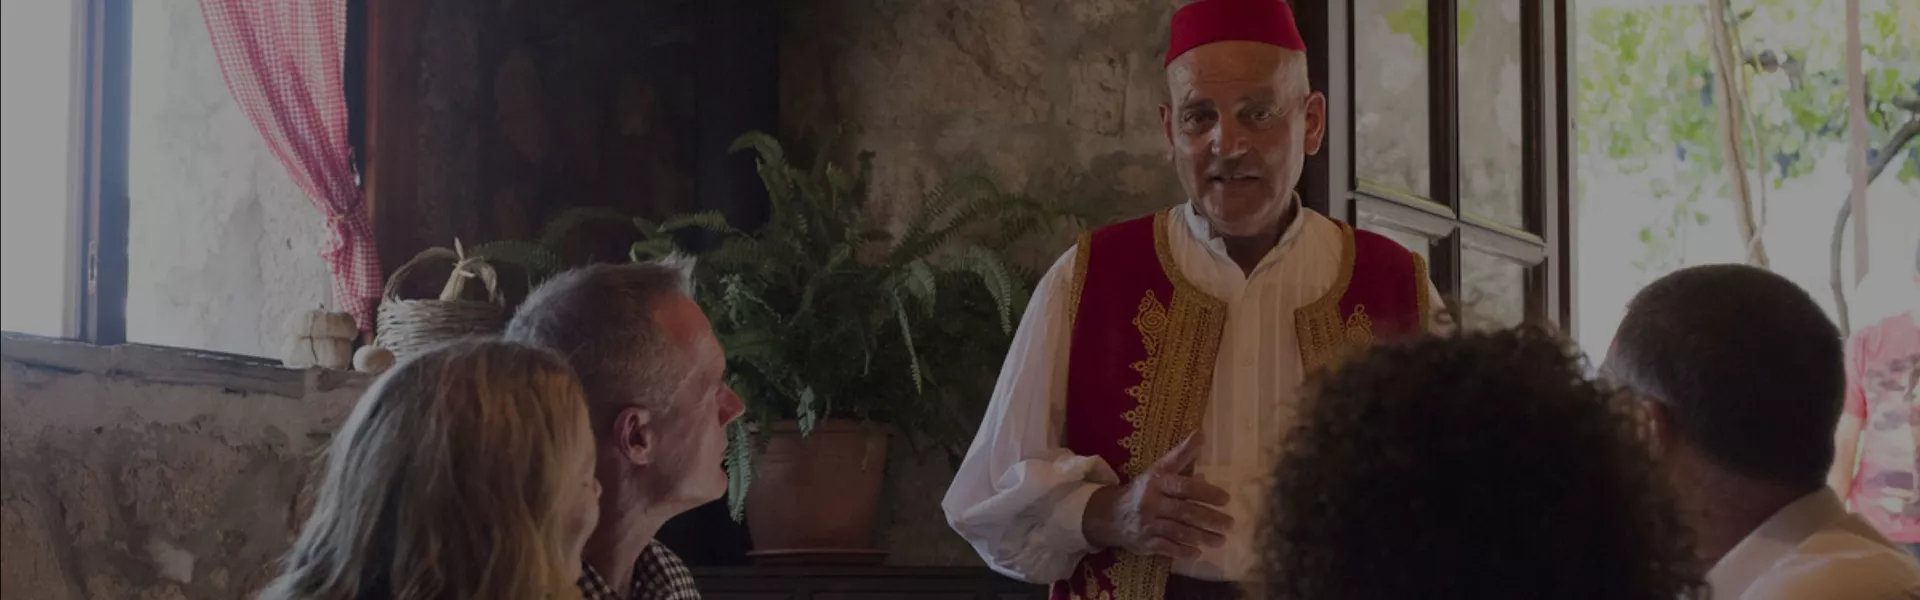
<point x="1241" y="120"/>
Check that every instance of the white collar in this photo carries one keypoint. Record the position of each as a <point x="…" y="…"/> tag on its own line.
<point x="1202" y="232"/>
<point x="1773" y="541"/>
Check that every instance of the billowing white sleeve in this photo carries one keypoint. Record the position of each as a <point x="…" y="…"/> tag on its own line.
<point x="1439" y="321"/>
<point x="1019" y="496"/>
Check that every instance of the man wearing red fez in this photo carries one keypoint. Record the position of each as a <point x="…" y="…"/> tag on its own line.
<point x="1156" y="369"/>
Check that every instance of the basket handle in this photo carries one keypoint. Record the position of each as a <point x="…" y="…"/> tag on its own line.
<point x="472" y="266"/>
<point x="457" y="283"/>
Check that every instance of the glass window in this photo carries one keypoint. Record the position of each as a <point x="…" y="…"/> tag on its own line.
<point x="1490" y="110"/>
<point x="1493" y="291"/>
<point x="36" y="227"/>
<point x="1391" y="128"/>
<point x="1654" y="190"/>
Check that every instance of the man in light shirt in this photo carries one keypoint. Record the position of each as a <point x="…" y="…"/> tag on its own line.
<point x="1742" y="374"/>
<point x="1125" y="447"/>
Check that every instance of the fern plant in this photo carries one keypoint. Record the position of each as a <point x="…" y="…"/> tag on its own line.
<point x="543" y="258"/>
<point x="825" y="313"/>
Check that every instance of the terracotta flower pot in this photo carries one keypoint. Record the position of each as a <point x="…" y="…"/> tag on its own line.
<point x="815" y="500"/>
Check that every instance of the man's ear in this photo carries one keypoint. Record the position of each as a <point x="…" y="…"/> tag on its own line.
<point x="1166" y="124"/>
<point x="1316" y="123"/>
<point x="633" y="435"/>
<point x="1657" y="422"/>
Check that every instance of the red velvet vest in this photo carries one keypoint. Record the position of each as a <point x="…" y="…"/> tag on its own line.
<point x="1144" y="344"/>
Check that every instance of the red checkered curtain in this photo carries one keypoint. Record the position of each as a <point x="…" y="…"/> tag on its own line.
<point x="282" y="61"/>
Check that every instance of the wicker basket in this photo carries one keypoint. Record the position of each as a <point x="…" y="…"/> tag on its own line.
<point x="409" y="327"/>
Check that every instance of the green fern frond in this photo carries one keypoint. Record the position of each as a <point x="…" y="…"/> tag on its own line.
<point x="734" y="251"/>
<point x="537" y="261"/>
<point x="766" y="146"/>
<point x="739" y="466"/>
<point x="823" y="277"/>
<point x="808" y="414"/>
<point x="933" y="206"/>
<point x="708" y="220"/>
<point x="739" y="299"/>
<point x="996" y="276"/>
<point x="751" y="346"/>
<point x="651" y="249"/>
<point x="920" y="282"/>
<point x="906" y="335"/>
<point x="556" y="231"/>
<point x="944" y="214"/>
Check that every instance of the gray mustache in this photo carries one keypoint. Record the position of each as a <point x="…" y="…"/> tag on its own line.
<point x="1235" y="168"/>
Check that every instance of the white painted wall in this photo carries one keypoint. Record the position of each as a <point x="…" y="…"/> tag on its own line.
<point x="223" y="245"/>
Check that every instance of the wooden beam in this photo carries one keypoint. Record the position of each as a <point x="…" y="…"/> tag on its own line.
<point x="1560" y="231"/>
<point x="392" y="121"/>
<point x="1443" y="114"/>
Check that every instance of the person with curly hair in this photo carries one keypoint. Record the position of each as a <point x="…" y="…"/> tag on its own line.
<point x="1742" y="377"/>
<point x="1484" y="465"/>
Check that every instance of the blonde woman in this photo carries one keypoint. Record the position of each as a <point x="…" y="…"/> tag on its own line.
<point x="463" y="473"/>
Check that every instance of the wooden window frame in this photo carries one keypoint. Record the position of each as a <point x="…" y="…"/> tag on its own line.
<point x="1542" y="245"/>
<point x="103" y="61"/>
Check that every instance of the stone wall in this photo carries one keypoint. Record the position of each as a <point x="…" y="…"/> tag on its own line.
<point x="140" y="472"/>
<point x="1056" y="98"/>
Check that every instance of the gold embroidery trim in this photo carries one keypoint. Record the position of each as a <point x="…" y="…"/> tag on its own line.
<point x="1321" y="331"/>
<point x="1082" y="251"/>
<point x="1093" y="590"/>
<point x="1359" y="328"/>
<point x="1422" y="302"/>
<point x="1182" y="338"/>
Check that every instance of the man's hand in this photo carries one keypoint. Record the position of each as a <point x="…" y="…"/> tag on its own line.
<point x="1162" y="512"/>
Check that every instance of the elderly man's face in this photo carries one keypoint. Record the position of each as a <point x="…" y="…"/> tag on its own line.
<point x="1241" y="121"/>
<point x="693" y="430"/>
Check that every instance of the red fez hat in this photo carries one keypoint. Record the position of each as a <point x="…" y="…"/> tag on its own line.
<point x="1209" y="21"/>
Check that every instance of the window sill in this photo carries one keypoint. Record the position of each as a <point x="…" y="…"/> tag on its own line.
<point x="174" y="366"/>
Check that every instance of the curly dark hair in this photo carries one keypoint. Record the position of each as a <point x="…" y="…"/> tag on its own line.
<point x="1485" y="465"/>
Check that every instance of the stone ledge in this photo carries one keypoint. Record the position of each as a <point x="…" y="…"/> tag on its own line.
<point x="137" y="471"/>
<point x="173" y="366"/>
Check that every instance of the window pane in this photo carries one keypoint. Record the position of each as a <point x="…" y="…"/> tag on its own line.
<point x="35" y="229"/>
<point x="222" y="245"/>
<point x="1493" y="291"/>
<point x="1390" y="94"/>
<point x="1653" y="196"/>
<point x="1490" y="105"/>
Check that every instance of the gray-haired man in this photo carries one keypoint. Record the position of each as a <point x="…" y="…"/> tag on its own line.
<point x="654" y="375"/>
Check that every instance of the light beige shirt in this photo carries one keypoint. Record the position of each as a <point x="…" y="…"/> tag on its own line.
<point x="1019" y="496"/>
<point x="1814" y="550"/>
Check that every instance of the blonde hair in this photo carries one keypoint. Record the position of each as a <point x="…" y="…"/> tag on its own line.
<point x="451" y="479"/>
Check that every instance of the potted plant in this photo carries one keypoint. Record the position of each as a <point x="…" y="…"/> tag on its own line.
<point x="840" y="333"/>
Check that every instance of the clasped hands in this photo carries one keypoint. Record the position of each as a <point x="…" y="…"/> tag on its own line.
<point x="1165" y="511"/>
